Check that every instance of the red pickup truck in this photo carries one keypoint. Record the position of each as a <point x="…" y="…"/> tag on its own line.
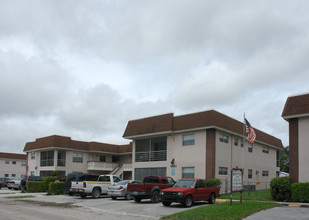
<point x="187" y="191"/>
<point x="150" y="188"/>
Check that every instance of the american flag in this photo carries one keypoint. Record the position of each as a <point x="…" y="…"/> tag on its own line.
<point x="251" y="136"/>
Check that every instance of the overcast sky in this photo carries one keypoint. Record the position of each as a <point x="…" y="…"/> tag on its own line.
<point x="83" y="69"/>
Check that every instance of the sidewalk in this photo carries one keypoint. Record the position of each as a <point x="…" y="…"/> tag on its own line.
<point x="290" y="204"/>
<point x="4" y="192"/>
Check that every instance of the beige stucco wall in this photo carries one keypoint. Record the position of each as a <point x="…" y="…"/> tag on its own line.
<point x="303" y="149"/>
<point x="195" y="156"/>
<point x="34" y="164"/>
<point x="70" y="166"/>
<point x="255" y="160"/>
<point x="185" y="156"/>
<point x="10" y="168"/>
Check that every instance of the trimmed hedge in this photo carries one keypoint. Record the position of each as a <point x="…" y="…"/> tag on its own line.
<point x="300" y="192"/>
<point x="56" y="188"/>
<point x="36" y="186"/>
<point x="213" y="182"/>
<point x="40" y="186"/>
<point x="280" y="188"/>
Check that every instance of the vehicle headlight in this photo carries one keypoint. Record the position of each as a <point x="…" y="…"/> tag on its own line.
<point x="161" y="193"/>
<point x="179" y="193"/>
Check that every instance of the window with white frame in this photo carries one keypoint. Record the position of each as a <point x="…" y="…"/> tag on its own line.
<point x="249" y="173"/>
<point x="250" y="148"/>
<point x="188" y="140"/>
<point x="236" y="141"/>
<point x="7" y="162"/>
<point x="224" y="138"/>
<point x="23" y="163"/>
<point x="188" y="172"/>
<point x="14" y="162"/>
<point x="265" y="173"/>
<point x="32" y="173"/>
<point x="13" y="175"/>
<point x="265" y="150"/>
<point x="32" y="155"/>
<point x="223" y="170"/>
<point x="77" y="157"/>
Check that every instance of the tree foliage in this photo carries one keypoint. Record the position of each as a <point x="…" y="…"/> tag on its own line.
<point x="284" y="160"/>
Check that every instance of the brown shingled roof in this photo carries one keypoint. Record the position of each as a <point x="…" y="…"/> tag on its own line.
<point x="154" y="124"/>
<point x="67" y="142"/>
<point x="196" y="120"/>
<point x="13" y="156"/>
<point x="296" y="105"/>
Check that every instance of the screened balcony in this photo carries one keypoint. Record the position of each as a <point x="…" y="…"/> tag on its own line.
<point x="148" y="150"/>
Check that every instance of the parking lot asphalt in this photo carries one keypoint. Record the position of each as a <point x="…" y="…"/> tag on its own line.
<point x="115" y="209"/>
<point x="123" y="207"/>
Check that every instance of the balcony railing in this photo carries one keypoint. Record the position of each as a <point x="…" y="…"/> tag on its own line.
<point x="150" y="156"/>
<point x="47" y="163"/>
<point x="95" y="165"/>
<point x="127" y="166"/>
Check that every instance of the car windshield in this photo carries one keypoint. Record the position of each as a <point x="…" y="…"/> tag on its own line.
<point x="122" y="183"/>
<point x="185" y="183"/>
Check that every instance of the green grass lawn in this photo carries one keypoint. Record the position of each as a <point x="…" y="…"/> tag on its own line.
<point x="259" y="195"/>
<point x="224" y="211"/>
<point x="17" y="197"/>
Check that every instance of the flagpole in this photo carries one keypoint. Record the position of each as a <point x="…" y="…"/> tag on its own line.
<point x="243" y="141"/>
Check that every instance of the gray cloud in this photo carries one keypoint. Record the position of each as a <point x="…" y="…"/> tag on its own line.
<point x="31" y="86"/>
<point x="83" y="69"/>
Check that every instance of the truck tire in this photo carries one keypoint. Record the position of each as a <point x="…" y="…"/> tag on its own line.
<point x="155" y="197"/>
<point x="114" y="197"/>
<point x="212" y="198"/>
<point x="137" y="199"/>
<point x="188" y="201"/>
<point x="166" y="203"/>
<point x="96" y="192"/>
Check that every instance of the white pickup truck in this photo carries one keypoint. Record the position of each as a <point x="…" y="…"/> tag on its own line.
<point x="94" y="188"/>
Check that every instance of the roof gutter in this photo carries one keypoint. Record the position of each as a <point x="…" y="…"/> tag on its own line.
<point x="296" y="116"/>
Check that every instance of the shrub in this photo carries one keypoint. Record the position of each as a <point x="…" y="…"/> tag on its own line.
<point x="40" y="186"/>
<point x="213" y="182"/>
<point x="55" y="173"/>
<point x="280" y="188"/>
<point x="300" y="192"/>
<point x="36" y="186"/>
<point x="48" y="180"/>
<point x="56" y="188"/>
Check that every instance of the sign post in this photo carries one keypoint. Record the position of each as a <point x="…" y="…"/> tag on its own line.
<point x="236" y="182"/>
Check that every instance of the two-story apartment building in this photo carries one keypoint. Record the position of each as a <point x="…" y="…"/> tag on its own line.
<point x="12" y="165"/>
<point x="296" y="112"/>
<point x="62" y="154"/>
<point x="202" y="145"/>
